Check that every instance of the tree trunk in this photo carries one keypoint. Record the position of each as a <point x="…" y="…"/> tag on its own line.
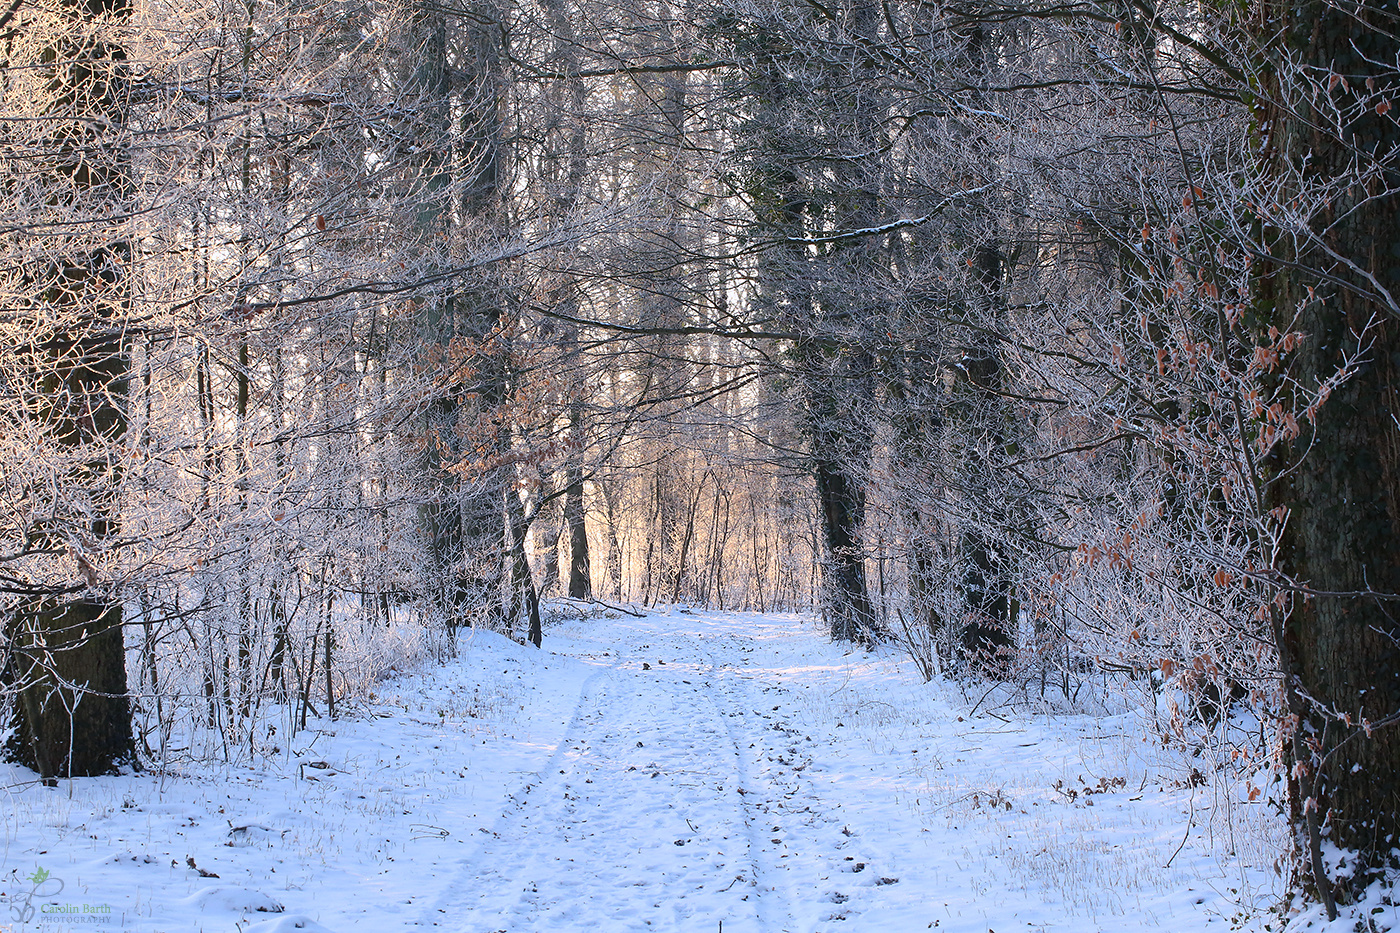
<point x="68" y="662"/>
<point x="439" y="515"/>
<point x="522" y="578"/>
<point x="75" y="718"/>
<point x="821" y="284"/>
<point x="549" y="528"/>
<point x="989" y="628"/>
<point x="468" y="535"/>
<point x="1342" y="481"/>
<point x="580" y="575"/>
<point x="843" y="509"/>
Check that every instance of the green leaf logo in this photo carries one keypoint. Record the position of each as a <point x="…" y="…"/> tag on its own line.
<point x="39" y="876"/>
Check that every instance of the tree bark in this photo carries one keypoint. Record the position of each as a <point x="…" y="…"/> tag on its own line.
<point x="843" y="510"/>
<point x="68" y="661"/>
<point x="1341" y="480"/>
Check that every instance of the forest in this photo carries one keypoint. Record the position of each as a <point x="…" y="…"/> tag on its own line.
<point x="1046" y="341"/>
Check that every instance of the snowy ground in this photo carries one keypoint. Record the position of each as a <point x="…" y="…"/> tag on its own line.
<point x="682" y="771"/>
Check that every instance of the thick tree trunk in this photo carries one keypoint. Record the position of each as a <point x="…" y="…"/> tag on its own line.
<point x="917" y="402"/>
<point x="1342" y="652"/>
<point x="1344" y="536"/>
<point x="469" y="537"/>
<point x="843" y="511"/>
<point x="68" y="660"/>
<point x="75" y="717"/>
<point x="439" y="515"/>
<point x="987" y="631"/>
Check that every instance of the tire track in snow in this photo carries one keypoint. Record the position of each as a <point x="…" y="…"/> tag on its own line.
<point x="441" y="906"/>
<point x="636" y="823"/>
<point x="816" y="863"/>
<point x="774" y="916"/>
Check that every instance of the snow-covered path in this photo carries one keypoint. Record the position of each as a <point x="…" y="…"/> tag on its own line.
<point x="678" y="771"/>
<point x="640" y="819"/>
<point x="663" y="807"/>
